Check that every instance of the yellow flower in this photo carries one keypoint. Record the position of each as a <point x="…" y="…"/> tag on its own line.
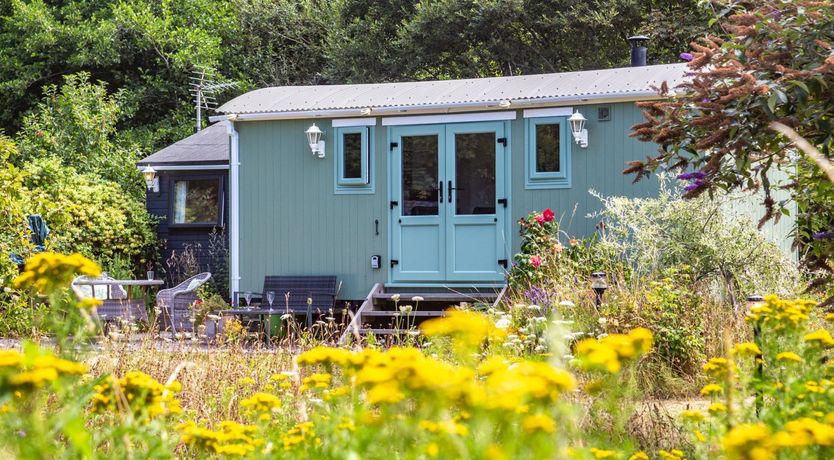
<point x="261" y="402"/>
<point x="448" y="427"/>
<point x="600" y="453"/>
<point x="145" y="395"/>
<point x="693" y="415"/>
<point x="48" y="271"/>
<point x="316" y="381"/>
<point x="699" y="436"/>
<point x="88" y="303"/>
<point x="432" y="450"/>
<point x="612" y="351"/>
<point x="807" y="431"/>
<point x="674" y="454"/>
<point x="230" y="438"/>
<point x="821" y="337"/>
<point x="639" y="456"/>
<point x="469" y="328"/>
<point x="747" y="348"/>
<point x="749" y="441"/>
<point x="717" y="408"/>
<point x="830" y="317"/>
<point x="711" y="389"/>
<point x="788" y="356"/>
<point x="10" y="358"/>
<point x="538" y="422"/>
<point x="246" y="381"/>
<point x="717" y="367"/>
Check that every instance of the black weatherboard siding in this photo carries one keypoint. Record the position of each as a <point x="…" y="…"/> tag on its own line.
<point x="175" y="239"/>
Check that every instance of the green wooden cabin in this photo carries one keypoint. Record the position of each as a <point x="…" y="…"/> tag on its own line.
<point x="419" y="184"/>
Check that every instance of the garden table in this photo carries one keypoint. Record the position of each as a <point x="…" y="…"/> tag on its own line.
<point x="114" y="309"/>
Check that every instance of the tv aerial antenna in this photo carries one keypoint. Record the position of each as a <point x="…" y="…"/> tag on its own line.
<point x="204" y="86"/>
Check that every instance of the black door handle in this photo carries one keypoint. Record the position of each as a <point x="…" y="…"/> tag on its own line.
<point x="440" y="191"/>
<point x="449" y="191"/>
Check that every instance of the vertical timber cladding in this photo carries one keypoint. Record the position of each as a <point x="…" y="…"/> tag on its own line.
<point x="292" y="222"/>
<point x="598" y="167"/>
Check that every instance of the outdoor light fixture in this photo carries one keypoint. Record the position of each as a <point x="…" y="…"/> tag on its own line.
<point x="599" y="284"/>
<point x="150" y="179"/>
<point x="577" y="128"/>
<point x="314" y="138"/>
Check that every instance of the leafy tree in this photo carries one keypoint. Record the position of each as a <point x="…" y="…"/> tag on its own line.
<point x="773" y="61"/>
<point x="77" y="124"/>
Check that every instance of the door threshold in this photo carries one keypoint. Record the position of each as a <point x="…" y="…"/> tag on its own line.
<point x="450" y="286"/>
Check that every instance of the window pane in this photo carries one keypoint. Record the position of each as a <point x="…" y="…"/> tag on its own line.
<point x="196" y="201"/>
<point x="420" y="175"/>
<point x="475" y="173"/>
<point x="547" y="148"/>
<point x="352" y="155"/>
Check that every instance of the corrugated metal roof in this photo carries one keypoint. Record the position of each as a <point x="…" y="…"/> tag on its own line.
<point x="620" y="82"/>
<point x="208" y="146"/>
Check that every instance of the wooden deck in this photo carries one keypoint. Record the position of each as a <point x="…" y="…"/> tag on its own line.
<point x="380" y="314"/>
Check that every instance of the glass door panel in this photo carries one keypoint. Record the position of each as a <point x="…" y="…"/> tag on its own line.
<point x="475" y="173"/>
<point x="420" y="175"/>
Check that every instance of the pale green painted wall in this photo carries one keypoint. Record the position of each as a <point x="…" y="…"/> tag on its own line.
<point x="291" y="222"/>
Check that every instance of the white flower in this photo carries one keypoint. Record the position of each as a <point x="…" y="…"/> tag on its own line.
<point x="602" y="320"/>
<point x="416" y="298"/>
<point x="395" y="297"/>
<point x="567" y="303"/>
<point x="213" y="317"/>
<point x="534" y="307"/>
<point x="406" y="309"/>
<point x="7" y="289"/>
<point x="540" y="349"/>
<point x="562" y="322"/>
<point x="602" y="336"/>
<point x="503" y="323"/>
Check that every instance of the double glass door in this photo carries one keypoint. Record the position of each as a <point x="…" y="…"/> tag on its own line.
<point x="448" y="202"/>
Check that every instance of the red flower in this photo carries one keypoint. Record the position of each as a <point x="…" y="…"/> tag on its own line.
<point x="540" y="218"/>
<point x="535" y="261"/>
<point x="547" y="215"/>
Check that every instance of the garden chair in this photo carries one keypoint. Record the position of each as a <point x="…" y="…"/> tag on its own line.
<point x="175" y="304"/>
<point x="292" y="292"/>
<point x="115" y="304"/>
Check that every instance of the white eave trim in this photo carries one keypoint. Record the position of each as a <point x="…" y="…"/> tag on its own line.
<point x="451" y="118"/>
<point x="560" y="101"/>
<point x="549" y="112"/>
<point x="350" y="122"/>
<point x="186" y="167"/>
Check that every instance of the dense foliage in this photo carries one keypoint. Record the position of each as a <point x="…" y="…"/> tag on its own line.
<point x="772" y="60"/>
<point x="145" y="50"/>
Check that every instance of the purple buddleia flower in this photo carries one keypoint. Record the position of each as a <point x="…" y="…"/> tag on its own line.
<point x="697" y="175"/>
<point x="687" y="56"/>
<point x="695" y="185"/>
<point x="826" y="235"/>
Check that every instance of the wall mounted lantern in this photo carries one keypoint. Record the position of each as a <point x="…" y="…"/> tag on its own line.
<point x="314" y="139"/>
<point x="577" y="128"/>
<point x="150" y="179"/>
<point x="599" y="284"/>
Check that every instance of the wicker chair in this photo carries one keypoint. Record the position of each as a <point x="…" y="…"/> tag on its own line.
<point x="175" y="304"/>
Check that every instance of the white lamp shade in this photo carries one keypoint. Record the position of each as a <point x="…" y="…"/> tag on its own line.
<point x="149" y="174"/>
<point x="313" y="136"/>
<point x="577" y="123"/>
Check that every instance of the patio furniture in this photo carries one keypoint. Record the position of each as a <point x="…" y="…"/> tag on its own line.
<point x="292" y="294"/>
<point x="175" y="304"/>
<point x="116" y="302"/>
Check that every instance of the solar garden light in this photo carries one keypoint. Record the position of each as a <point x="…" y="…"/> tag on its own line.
<point x="599" y="284"/>
<point x="314" y="138"/>
<point x="150" y="179"/>
<point x="577" y="128"/>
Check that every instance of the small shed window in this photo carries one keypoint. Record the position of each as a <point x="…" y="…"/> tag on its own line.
<point x="196" y="201"/>
<point x="353" y="160"/>
<point x="548" y="153"/>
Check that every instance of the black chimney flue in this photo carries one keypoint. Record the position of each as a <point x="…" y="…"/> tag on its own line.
<point x="638" y="50"/>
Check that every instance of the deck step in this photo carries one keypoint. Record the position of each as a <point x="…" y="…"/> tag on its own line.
<point x="394" y="314"/>
<point x="381" y="331"/>
<point x="439" y="296"/>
